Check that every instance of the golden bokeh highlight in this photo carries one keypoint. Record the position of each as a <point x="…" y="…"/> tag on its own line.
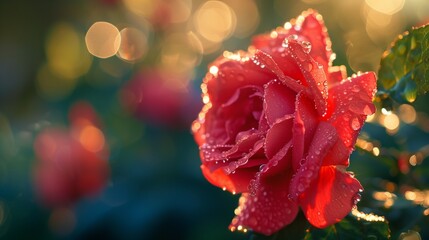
<point x="215" y="21"/>
<point x="387" y="198"/>
<point x="247" y="15"/>
<point x="380" y="27"/>
<point x="67" y="58"/>
<point x="103" y="39"/>
<point x="133" y="44"/>
<point x="376" y="151"/>
<point x="390" y="122"/>
<point x="419" y="197"/>
<point x="386" y="6"/>
<point x="369" y="217"/>
<point x="407" y="113"/>
<point x="180" y="10"/>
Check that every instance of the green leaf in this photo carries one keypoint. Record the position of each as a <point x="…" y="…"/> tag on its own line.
<point x="404" y="68"/>
<point x="355" y="226"/>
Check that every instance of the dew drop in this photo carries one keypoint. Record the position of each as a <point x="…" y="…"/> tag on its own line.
<point x="308" y="66"/>
<point x="356" y="198"/>
<point x="293" y="37"/>
<point x="355" y="124"/>
<point x="306" y="46"/>
<point x="367" y="110"/>
<point x="355" y="88"/>
<point x="332" y="57"/>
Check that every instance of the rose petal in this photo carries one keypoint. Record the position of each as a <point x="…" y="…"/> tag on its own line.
<point x="308" y="27"/>
<point x="268" y="62"/>
<point x="278" y="136"/>
<point x="279" y="101"/>
<point x="338" y="155"/>
<point x="314" y="75"/>
<point x="305" y="123"/>
<point x="349" y="103"/>
<point x="336" y="74"/>
<point x="331" y="197"/>
<point x="235" y="183"/>
<point x="269" y="209"/>
<point x="324" y="138"/>
<point x="278" y="144"/>
<point x="232" y="75"/>
<point x="216" y="156"/>
<point x="280" y="162"/>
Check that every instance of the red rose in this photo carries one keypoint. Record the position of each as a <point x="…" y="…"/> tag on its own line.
<point x="279" y="124"/>
<point x="71" y="164"/>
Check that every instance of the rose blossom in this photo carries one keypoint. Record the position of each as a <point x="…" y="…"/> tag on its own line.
<point x="279" y="124"/>
<point x="71" y="164"/>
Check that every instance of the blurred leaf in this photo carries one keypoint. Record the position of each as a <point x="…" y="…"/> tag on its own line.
<point x="352" y="227"/>
<point x="404" y="68"/>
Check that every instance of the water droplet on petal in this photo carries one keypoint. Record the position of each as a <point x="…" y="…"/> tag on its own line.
<point x="355" y="88"/>
<point x="356" y="198"/>
<point x="306" y="46"/>
<point x="332" y="57"/>
<point x="355" y="124"/>
<point x="308" y="66"/>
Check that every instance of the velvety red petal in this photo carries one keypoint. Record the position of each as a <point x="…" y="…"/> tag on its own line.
<point x="350" y="102"/>
<point x="264" y="60"/>
<point x="336" y="74"/>
<point x="217" y="156"/>
<point x="313" y="73"/>
<point x="279" y="101"/>
<point x="308" y="27"/>
<point x="268" y="209"/>
<point x="231" y="75"/>
<point x="305" y="123"/>
<point x="279" y="163"/>
<point x="278" y="136"/>
<point x="278" y="143"/>
<point x="324" y="138"/>
<point x="235" y="183"/>
<point x="338" y="155"/>
<point x="331" y="197"/>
